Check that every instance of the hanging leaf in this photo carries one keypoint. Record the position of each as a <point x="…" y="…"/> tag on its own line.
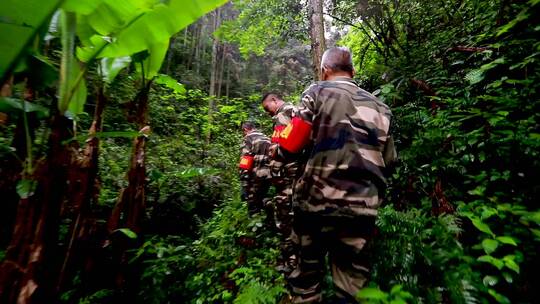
<point x="489" y="245"/>
<point x="19" y="24"/>
<point x="127" y="232"/>
<point x="110" y="67"/>
<point x="507" y="240"/>
<point x="499" y="297"/>
<point x="170" y="83"/>
<point x="136" y="26"/>
<point x="481" y="226"/>
<point x="499" y="264"/>
<point x="13" y="105"/>
<point x="152" y="63"/>
<point x="26" y="188"/>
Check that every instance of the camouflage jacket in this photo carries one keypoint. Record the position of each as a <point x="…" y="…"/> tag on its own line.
<point x="280" y="167"/>
<point x="350" y="146"/>
<point x="256" y="144"/>
<point x="281" y="119"/>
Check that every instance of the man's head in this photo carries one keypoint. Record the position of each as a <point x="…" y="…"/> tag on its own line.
<point x="337" y="61"/>
<point x="271" y="102"/>
<point x="248" y="127"/>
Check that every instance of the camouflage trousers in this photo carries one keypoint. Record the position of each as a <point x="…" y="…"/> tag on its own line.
<point x="345" y="240"/>
<point x="254" y="193"/>
<point x="283" y="215"/>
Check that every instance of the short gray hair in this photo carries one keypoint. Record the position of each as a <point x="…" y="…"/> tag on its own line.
<point x="337" y="59"/>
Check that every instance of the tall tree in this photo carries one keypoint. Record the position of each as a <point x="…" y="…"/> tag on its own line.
<point x="316" y="33"/>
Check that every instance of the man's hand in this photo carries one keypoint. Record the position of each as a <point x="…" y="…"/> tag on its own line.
<point x="272" y="151"/>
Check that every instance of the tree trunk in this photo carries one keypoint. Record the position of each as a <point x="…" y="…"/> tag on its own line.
<point x="227" y="83"/>
<point x="26" y="271"/>
<point x="213" y="75"/>
<point x="130" y="207"/>
<point x="84" y="191"/>
<point x="221" y="66"/>
<point x="316" y="31"/>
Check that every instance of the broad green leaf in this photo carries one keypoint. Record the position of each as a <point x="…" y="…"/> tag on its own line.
<point x="127" y="232"/>
<point x="110" y="67"/>
<point x="499" y="264"/>
<point x="153" y="62"/>
<point x="371" y="293"/>
<point x="26" y="188"/>
<point x="170" y="83"/>
<point x="12" y="105"/>
<point x="489" y="245"/>
<point x="19" y="23"/>
<point x="137" y="26"/>
<point x="510" y="262"/>
<point x="499" y="297"/>
<point x="83" y="7"/>
<point x="481" y="226"/>
<point x="507" y="240"/>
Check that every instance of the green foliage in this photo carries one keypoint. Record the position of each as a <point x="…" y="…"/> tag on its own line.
<point x="232" y="261"/>
<point x="21" y="19"/>
<point x="465" y="101"/>
<point x="15" y="106"/>
<point x="374" y="295"/>
<point x="262" y="23"/>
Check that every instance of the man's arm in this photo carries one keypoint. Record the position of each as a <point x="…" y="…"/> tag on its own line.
<point x="246" y="159"/>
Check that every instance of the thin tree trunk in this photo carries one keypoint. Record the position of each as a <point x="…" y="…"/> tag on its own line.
<point x="131" y="204"/>
<point x="316" y="29"/>
<point x="84" y="191"/>
<point x="193" y="47"/>
<point x="213" y="76"/>
<point x="29" y="262"/>
<point x="227" y="83"/>
<point x="221" y="66"/>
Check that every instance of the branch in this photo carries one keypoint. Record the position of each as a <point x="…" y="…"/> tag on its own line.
<point x="357" y="27"/>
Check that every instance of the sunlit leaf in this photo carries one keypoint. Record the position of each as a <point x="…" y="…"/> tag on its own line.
<point x="170" y="83"/>
<point x="26" y="188"/>
<point x="507" y="240"/>
<point x="127" y="232"/>
<point x="110" y="67"/>
<point x="489" y="245"/>
<point x="372" y="294"/>
<point x="481" y="226"/>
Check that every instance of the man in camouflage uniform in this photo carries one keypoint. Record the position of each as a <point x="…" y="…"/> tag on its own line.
<point x="283" y="173"/>
<point x="253" y="168"/>
<point x="344" y="133"/>
<point x="283" y="176"/>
